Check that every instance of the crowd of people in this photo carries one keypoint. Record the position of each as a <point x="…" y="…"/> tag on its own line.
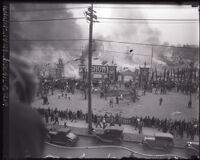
<point x="175" y="127"/>
<point x="47" y="87"/>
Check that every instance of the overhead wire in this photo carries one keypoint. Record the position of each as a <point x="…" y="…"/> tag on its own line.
<point x="144" y="44"/>
<point x="125" y="53"/>
<point x="144" y="19"/>
<point x="40" y="20"/>
<point x="40" y="40"/>
<point x="100" y="7"/>
<point x="147" y="22"/>
<point x="100" y="40"/>
<point x="113" y="18"/>
<point x="48" y="9"/>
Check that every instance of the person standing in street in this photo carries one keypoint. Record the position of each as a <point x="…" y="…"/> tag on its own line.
<point x="137" y="123"/>
<point x="117" y="99"/>
<point x="160" y="101"/>
<point x="56" y="118"/>
<point x="104" y="123"/>
<point x="140" y="126"/>
<point x="190" y="104"/>
<point x="65" y="124"/>
<point x="72" y="117"/>
<point x="111" y="102"/>
<point x="66" y="95"/>
<point x="46" y="117"/>
<point x="98" y="122"/>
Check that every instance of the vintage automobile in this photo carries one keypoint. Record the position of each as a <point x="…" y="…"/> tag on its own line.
<point x="62" y="136"/>
<point x="159" y="141"/>
<point x="192" y="148"/>
<point x="111" y="134"/>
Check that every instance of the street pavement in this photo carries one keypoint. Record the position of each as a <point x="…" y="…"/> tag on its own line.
<point x="146" y="106"/>
<point x="174" y="105"/>
<point x="80" y="127"/>
<point x="87" y="146"/>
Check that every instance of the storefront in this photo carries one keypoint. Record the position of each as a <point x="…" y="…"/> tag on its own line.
<point x="127" y="76"/>
<point x="99" y="72"/>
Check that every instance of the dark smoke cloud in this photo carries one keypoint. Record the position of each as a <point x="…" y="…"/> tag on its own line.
<point x="97" y="47"/>
<point x="183" y="55"/>
<point x="129" y="32"/>
<point x="45" y="52"/>
<point x="51" y="51"/>
<point x="42" y="30"/>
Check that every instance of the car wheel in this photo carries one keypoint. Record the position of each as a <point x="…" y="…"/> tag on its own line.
<point x="192" y="153"/>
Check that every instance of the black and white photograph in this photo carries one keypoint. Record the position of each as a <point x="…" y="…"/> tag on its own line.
<point x="103" y="80"/>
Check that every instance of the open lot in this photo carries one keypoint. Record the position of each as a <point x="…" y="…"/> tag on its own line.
<point x="148" y="105"/>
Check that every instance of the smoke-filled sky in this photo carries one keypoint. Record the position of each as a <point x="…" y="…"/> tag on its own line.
<point x="151" y="32"/>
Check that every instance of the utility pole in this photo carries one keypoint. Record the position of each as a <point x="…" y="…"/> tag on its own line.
<point x="90" y="16"/>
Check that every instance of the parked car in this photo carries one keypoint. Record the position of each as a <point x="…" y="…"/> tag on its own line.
<point x="111" y="134"/>
<point x="62" y="136"/>
<point x="159" y="141"/>
<point x="192" y="148"/>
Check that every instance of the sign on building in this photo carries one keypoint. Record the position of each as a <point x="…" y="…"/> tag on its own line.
<point x="106" y="70"/>
<point x="97" y="76"/>
<point x="103" y="69"/>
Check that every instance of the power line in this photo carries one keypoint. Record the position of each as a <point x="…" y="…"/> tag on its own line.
<point x="100" y="7"/>
<point x="101" y="40"/>
<point x="47" y="40"/>
<point x="147" y="22"/>
<point x="125" y="53"/>
<point x="126" y="19"/>
<point x="144" y="44"/>
<point x="40" y="20"/>
<point x="144" y="7"/>
<point x="148" y="19"/>
<point x="47" y="9"/>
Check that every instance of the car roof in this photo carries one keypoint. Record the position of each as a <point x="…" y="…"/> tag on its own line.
<point x="66" y="130"/>
<point x="114" y="128"/>
<point x="167" y="135"/>
<point x="60" y="129"/>
<point x="194" y="142"/>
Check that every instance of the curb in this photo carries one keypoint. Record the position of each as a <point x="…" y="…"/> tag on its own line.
<point x="134" y="141"/>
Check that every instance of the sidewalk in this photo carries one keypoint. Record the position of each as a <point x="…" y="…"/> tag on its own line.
<point x="130" y="134"/>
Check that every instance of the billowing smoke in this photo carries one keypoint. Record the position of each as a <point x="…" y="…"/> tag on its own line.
<point x="44" y="51"/>
<point x="49" y="51"/>
<point x="97" y="48"/>
<point x="127" y="32"/>
<point x="176" y="56"/>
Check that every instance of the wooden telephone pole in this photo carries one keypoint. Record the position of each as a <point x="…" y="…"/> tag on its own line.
<point x="90" y="16"/>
